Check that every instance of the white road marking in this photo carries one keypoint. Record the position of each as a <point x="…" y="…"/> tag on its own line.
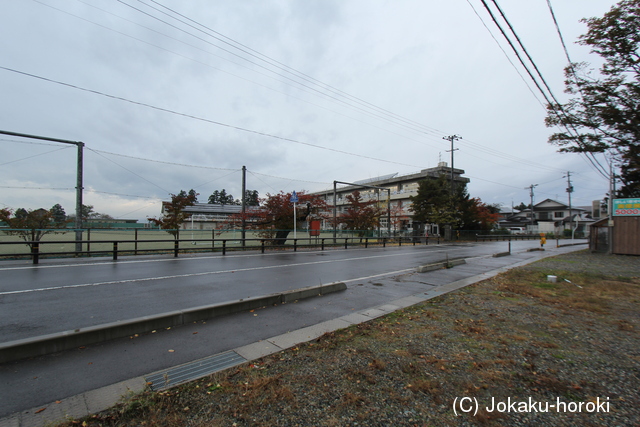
<point x="147" y="279"/>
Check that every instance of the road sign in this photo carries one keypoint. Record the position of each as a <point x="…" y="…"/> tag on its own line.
<point x="294" y="198"/>
<point x="626" y="207"/>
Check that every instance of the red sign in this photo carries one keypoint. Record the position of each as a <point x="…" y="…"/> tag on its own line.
<point x="314" y="227"/>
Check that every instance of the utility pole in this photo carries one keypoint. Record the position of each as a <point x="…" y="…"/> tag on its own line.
<point x="569" y="191"/>
<point x="452" y="138"/>
<point x="244" y="204"/>
<point x="533" y="215"/>
<point x="612" y="190"/>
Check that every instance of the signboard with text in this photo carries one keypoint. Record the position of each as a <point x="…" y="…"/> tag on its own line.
<point x="626" y="207"/>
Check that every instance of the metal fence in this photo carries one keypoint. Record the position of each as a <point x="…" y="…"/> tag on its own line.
<point x="113" y="243"/>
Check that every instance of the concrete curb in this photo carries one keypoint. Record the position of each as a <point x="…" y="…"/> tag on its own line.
<point x="60" y="341"/>
<point x="441" y="265"/>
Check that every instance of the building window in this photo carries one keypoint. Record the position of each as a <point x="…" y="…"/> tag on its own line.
<point x="558" y="214"/>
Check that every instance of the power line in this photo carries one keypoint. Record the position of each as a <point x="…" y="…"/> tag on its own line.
<point x="505" y="54"/>
<point x="557" y="107"/>
<point x="130" y="171"/>
<point x="166" y="110"/>
<point x="35" y="155"/>
<point x="271" y="59"/>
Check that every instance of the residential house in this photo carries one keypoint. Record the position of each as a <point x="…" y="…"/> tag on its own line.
<point x="551" y="216"/>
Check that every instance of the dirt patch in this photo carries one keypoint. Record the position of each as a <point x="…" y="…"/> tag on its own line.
<point x="508" y="342"/>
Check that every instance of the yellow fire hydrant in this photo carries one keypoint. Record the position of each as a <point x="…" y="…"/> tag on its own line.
<point x="543" y="240"/>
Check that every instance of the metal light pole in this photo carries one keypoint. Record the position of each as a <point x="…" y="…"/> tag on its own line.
<point x="79" y="178"/>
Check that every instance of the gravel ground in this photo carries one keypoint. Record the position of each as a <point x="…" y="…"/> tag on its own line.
<point x="515" y="339"/>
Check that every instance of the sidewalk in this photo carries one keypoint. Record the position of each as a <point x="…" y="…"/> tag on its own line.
<point x="416" y="287"/>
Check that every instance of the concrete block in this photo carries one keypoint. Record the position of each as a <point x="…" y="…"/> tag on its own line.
<point x="355" y="318"/>
<point x="501" y="254"/>
<point x="389" y="308"/>
<point x="54" y="413"/>
<point x="408" y="301"/>
<point x="257" y="350"/>
<point x="102" y="398"/>
<point x="431" y="267"/>
<point x="13" y="421"/>
<point x="373" y="313"/>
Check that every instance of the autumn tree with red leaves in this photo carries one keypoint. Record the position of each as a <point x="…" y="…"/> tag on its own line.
<point x="274" y="217"/>
<point x="360" y="216"/>
<point x="174" y="214"/>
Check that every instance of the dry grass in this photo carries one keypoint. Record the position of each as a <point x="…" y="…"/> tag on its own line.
<point x="515" y="335"/>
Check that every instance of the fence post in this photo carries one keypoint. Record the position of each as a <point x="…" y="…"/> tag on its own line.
<point x="366" y="242"/>
<point x="135" y="250"/>
<point x="345" y="242"/>
<point x="224" y="247"/>
<point x="213" y="240"/>
<point x="35" y="252"/>
<point x="89" y="241"/>
<point x="115" y="251"/>
<point x="262" y="245"/>
<point x="176" y="248"/>
<point x="384" y="242"/>
<point x="295" y="245"/>
<point x="322" y="244"/>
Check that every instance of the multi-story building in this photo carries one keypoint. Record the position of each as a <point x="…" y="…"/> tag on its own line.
<point x="400" y="189"/>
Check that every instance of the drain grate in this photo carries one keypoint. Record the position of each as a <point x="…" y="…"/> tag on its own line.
<point x="191" y="371"/>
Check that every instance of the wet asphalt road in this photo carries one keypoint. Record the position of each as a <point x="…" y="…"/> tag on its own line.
<point x="56" y="296"/>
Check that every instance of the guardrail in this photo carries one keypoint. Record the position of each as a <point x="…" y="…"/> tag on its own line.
<point x="114" y="247"/>
<point x="505" y="237"/>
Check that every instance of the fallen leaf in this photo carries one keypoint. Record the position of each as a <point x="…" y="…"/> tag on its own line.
<point x="39" y="410"/>
<point x="171" y="351"/>
<point x="194" y="333"/>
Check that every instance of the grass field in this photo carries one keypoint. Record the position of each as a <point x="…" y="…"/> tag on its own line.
<point x="131" y="241"/>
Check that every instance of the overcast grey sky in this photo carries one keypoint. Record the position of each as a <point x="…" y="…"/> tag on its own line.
<point x="301" y="92"/>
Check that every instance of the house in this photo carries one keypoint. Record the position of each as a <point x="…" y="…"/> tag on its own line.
<point x="399" y="188"/>
<point x="551" y="216"/>
<point x="208" y="216"/>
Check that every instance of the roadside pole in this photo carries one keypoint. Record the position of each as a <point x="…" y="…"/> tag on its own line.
<point x="294" y="200"/>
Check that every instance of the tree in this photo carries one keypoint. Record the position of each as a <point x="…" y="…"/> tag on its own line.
<point x="433" y="202"/>
<point x="192" y="193"/>
<point x="521" y="207"/>
<point x="360" y="216"/>
<point x="59" y="215"/>
<point x="482" y="216"/>
<point x="274" y="218"/>
<point x="222" y="198"/>
<point x="174" y="212"/>
<point x="30" y="225"/>
<point x="604" y="114"/>
<point x="252" y="198"/>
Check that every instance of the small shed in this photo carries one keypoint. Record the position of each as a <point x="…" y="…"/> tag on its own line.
<point x="599" y="236"/>
<point x="625" y="229"/>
